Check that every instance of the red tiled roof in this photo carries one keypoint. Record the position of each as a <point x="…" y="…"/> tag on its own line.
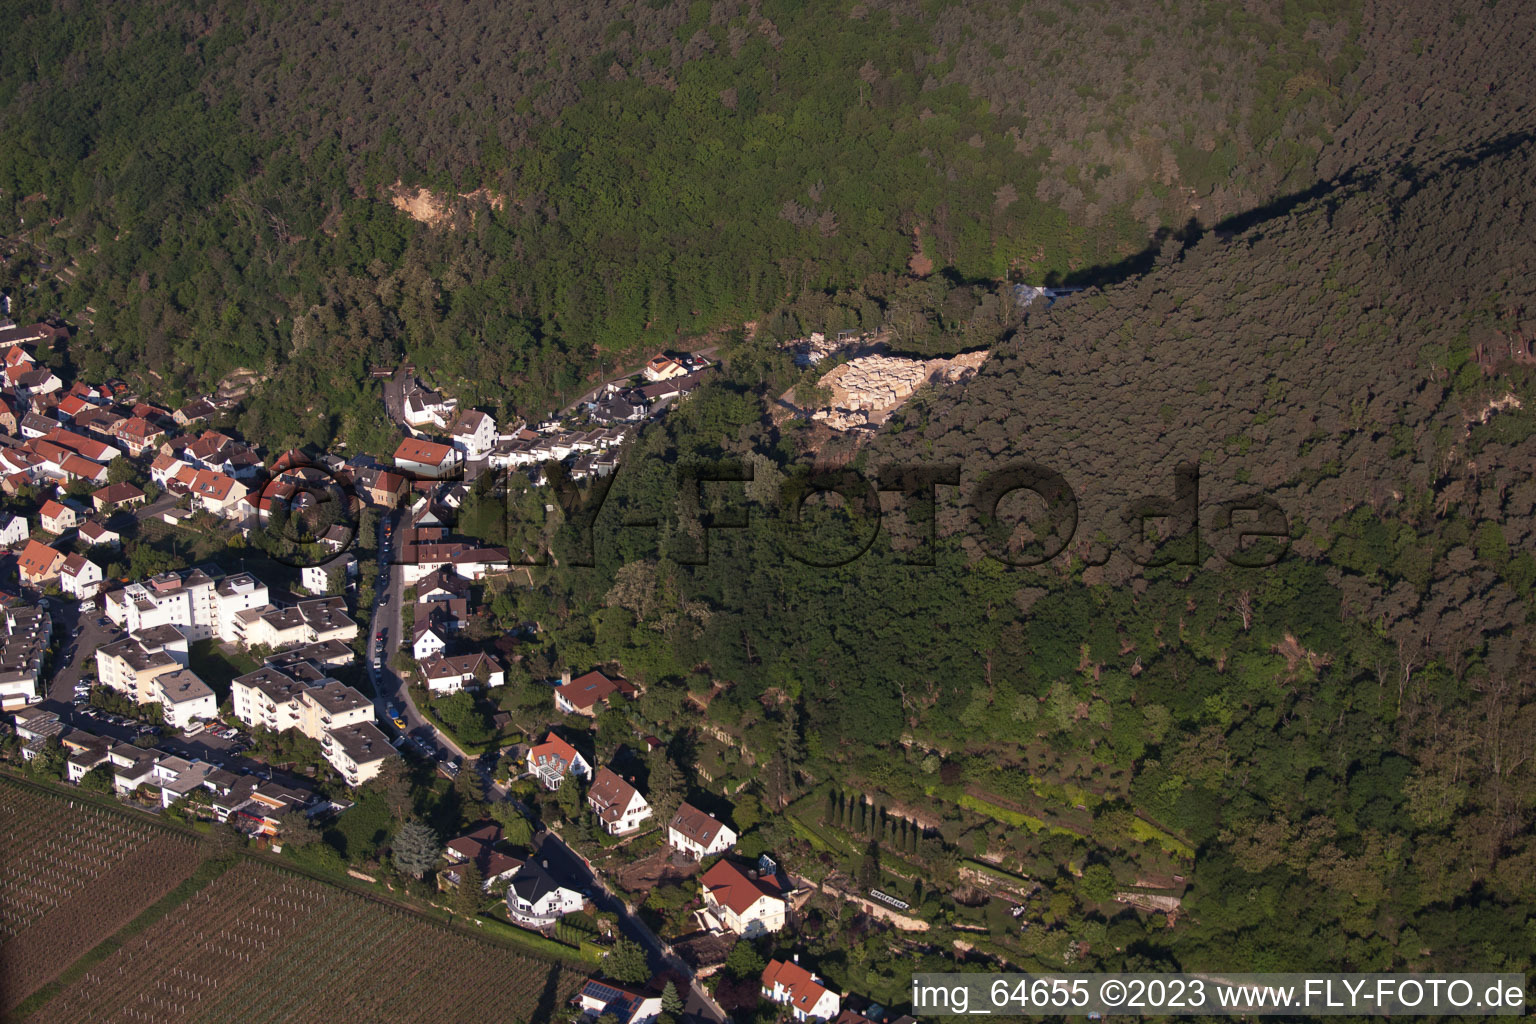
<point x="732" y="888"/>
<point x="428" y="453"/>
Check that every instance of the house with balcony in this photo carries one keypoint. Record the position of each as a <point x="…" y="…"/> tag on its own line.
<point x="619" y="806"/>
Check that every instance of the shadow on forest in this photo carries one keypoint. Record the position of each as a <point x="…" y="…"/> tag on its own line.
<point x="1415" y="175"/>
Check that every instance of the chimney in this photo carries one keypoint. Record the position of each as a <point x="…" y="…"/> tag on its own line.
<point x="565" y="678"/>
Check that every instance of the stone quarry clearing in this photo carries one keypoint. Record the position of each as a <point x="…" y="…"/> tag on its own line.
<point x="867" y="389"/>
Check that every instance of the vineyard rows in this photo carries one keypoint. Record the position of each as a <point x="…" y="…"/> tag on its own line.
<point x="258" y="946"/>
<point x="51" y="847"/>
<point x="72" y="874"/>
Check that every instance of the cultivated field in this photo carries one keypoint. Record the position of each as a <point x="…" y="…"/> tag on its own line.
<point x="260" y="945"/>
<point x="72" y="874"/>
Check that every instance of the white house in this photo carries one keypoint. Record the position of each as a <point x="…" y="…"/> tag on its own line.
<point x="697" y="834"/>
<point x="745" y="904"/>
<point x="427" y="459"/>
<point x="619" y="806"/>
<point x="318" y="579"/>
<point x="463" y="672"/>
<point x="599" y="996"/>
<point x="790" y="984"/>
<point x="13" y="531"/>
<point x="474" y="434"/>
<point x="553" y="759"/>
<point x="57" y="517"/>
<point x="429" y="641"/>
<point x="79" y="577"/>
<point x="536" y="900"/>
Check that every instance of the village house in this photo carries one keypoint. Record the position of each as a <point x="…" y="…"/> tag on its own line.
<point x="697" y="834"/>
<point x="80" y="578"/>
<point x="214" y="492"/>
<point x="38" y="563"/>
<point x="476" y="671"/>
<point x="582" y="695"/>
<point x="791" y="985"/>
<point x="137" y="435"/>
<point x="85" y="447"/>
<point x="13" y="531"/>
<point x="423" y="408"/>
<point x="619" y="806"/>
<point x="473" y="434"/>
<point x="56" y="517"/>
<point x="115" y="496"/>
<point x="95" y="534"/>
<point x="427" y="459"/>
<point x="600" y="997"/>
<point x="663" y="368"/>
<point x="430" y="639"/>
<point x="479" y="845"/>
<point x="535" y="900"/>
<point x="164" y="469"/>
<point x="328" y="575"/>
<point x="553" y="759"/>
<point x="744" y="901"/>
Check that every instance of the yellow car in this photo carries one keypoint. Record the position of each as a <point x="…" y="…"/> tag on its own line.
<point x="399" y="721"/>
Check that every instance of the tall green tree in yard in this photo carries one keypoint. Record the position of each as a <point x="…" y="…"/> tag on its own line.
<point x="415" y="849"/>
<point x="296" y="828"/>
<point x="626" y="962"/>
<point x="671" y="1002"/>
<point x="471" y="890"/>
<point x="515" y="828"/>
<point x="665" y="786"/>
<point x="568" y="797"/>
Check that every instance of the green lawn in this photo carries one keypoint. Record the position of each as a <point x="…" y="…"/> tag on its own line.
<point x="217" y="667"/>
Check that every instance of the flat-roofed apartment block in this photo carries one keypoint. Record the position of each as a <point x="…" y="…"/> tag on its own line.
<point x="267" y="698"/>
<point x="357" y="751"/>
<point x="183" y="598"/>
<point x="184" y="697"/>
<point x="235" y="594"/>
<point x="323" y="709"/>
<point x="307" y="622"/>
<point x="131" y="665"/>
<point x="24" y="634"/>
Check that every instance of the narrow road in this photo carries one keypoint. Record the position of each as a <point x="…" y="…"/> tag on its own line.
<point x="388" y="687"/>
<point x="568" y="867"/>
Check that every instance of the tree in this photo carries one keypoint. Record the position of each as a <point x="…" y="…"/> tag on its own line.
<point x="1097" y="883"/>
<point x="568" y="798"/>
<point x="665" y="786"/>
<point x="744" y="961"/>
<point x="296" y="827"/>
<point x="626" y="962"/>
<point x="415" y="849"/>
<point x="471" y="890"/>
<point x="515" y="829"/>
<point x="394" y="781"/>
<point x="671" y="1002"/>
<point x="97" y="780"/>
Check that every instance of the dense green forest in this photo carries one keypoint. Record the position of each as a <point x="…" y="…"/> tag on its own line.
<point x="209" y="185"/>
<point x="1347" y="738"/>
